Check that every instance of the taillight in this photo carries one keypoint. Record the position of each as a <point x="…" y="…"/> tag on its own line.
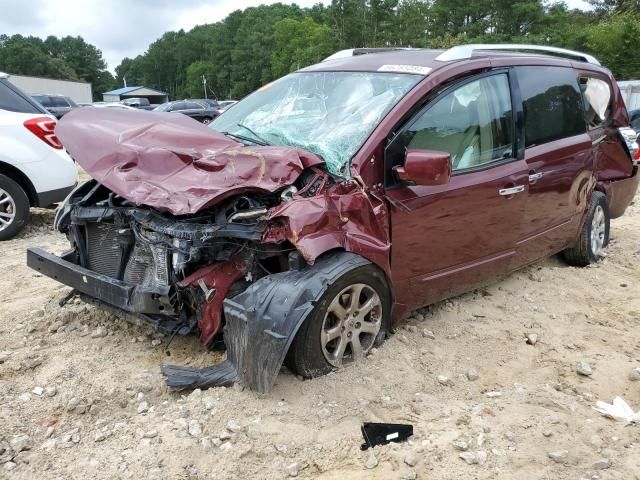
<point x="44" y="129"/>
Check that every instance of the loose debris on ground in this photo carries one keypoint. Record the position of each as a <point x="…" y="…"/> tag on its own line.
<point x="498" y="383"/>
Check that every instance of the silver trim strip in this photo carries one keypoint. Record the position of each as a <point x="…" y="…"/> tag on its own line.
<point x="462" y="52"/>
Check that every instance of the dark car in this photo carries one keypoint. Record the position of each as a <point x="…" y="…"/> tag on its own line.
<point x="57" y="105"/>
<point x="226" y="105"/>
<point x="314" y="215"/>
<point x="140" y="103"/>
<point x="200" y="110"/>
<point x="634" y="119"/>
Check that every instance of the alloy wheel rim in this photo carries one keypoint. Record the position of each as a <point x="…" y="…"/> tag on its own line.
<point x="7" y="210"/>
<point x="351" y="324"/>
<point x="598" y="230"/>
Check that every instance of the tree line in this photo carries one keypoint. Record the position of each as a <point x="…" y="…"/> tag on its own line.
<point x="252" y="47"/>
<point x="67" y="58"/>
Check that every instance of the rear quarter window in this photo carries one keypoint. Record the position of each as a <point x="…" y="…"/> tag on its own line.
<point x="13" y="101"/>
<point x="596" y="94"/>
<point x="552" y="103"/>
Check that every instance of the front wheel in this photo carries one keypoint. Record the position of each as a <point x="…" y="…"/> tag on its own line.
<point x="206" y="121"/>
<point x="351" y="317"/>
<point x="594" y="235"/>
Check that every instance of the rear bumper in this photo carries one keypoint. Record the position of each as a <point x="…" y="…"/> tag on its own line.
<point x="130" y="298"/>
<point x="54" y="196"/>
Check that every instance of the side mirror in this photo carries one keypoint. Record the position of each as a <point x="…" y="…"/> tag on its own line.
<point x="425" y="167"/>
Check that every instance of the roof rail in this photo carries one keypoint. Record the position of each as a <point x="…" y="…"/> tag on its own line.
<point x="352" y="52"/>
<point x="466" y="51"/>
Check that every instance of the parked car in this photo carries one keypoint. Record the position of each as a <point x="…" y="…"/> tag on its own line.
<point x="35" y="171"/>
<point x="140" y="103"/>
<point x="310" y="218"/>
<point x="197" y="109"/>
<point x="634" y="119"/>
<point x="57" y="105"/>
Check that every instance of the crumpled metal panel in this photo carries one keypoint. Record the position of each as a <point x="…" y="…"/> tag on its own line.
<point x="170" y="161"/>
<point x="344" y="217"/>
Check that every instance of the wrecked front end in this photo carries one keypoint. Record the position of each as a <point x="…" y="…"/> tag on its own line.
<point x="193" y="248"/>
<point x="172" y="271"/>
<point x="165" y="269"/>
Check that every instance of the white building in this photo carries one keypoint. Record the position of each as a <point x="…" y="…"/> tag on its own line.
<point x="630" y="90"/>
<point x="154" y="96"/>
<point x="79" y="92"/>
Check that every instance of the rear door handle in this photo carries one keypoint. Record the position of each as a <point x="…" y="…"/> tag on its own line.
<point x="505" y="192"/>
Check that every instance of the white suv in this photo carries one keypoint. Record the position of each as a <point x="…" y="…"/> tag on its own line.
<point x="35" y="170"/>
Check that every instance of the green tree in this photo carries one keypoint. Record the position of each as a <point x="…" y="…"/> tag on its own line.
<point x="68" y="58"/>
<point x="612" y="40"/>
<point x="194" y="86"/>
<point x="298" y="44"/>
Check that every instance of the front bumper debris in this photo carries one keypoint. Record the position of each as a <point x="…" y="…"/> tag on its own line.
<point x="127" y="297"/>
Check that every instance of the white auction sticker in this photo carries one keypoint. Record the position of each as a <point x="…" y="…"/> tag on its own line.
<point x="405" y="69"/>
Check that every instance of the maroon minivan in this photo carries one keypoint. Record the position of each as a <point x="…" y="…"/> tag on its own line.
<point x="302" y="224"/>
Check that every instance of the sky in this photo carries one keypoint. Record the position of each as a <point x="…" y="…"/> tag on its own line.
<point x="124" y="28"/>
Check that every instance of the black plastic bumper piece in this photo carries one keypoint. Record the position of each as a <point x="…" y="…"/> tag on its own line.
<point x="261" y="323"/>
<point x="222" y="374"/>
<point x="130" y="298"/>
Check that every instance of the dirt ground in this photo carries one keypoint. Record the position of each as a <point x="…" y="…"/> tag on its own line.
<point x="81" y="395"/>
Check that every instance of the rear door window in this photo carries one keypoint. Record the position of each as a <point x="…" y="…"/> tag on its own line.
<point x="177" y="106"/>
<point x="552" y="103"/>
<point x="193" y="106"/>
<point x="13" y="101"/>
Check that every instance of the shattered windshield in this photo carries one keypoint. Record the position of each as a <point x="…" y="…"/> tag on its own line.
<point x="327" y="113"/>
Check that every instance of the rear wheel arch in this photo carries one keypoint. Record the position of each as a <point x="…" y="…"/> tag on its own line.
<point x="21" y="179"/>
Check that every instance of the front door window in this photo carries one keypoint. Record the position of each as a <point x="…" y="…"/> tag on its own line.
<point x="473" y="123"/>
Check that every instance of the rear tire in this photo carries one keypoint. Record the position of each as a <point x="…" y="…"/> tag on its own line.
<point x="14" y="208"/>
<point x="594" y="235"/>
<point x="327" y="341"/>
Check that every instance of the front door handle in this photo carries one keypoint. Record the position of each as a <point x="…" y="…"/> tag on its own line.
<point x="534" y="177"/>
<point x="505" y="192"/>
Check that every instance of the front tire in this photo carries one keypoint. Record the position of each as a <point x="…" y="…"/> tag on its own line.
<point x="14" y="208"/>
<point x="594" y="235"/>
<point x="349" y="320"/>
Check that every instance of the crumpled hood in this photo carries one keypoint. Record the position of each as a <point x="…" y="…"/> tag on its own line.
<point x="171" y="162"/>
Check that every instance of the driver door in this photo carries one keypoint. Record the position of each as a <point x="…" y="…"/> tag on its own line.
<point x="447" y="239"/>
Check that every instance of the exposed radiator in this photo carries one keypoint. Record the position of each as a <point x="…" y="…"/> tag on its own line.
<point x="103" y="248"/>
<point x="147" y="265"/>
